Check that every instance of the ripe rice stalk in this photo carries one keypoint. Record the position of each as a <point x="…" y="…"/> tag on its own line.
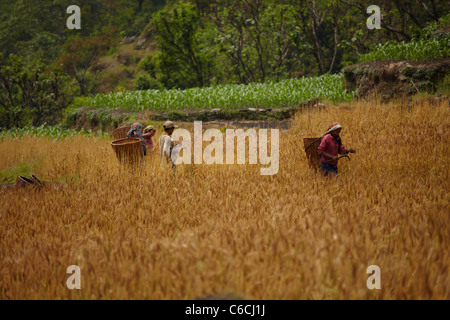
<point x="212" y="229"/>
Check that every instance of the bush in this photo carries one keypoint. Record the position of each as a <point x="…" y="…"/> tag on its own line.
<point x="145" y="82"/>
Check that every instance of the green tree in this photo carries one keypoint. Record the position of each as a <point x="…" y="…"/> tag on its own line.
<point x="257" y="38"/>
<point x="181" y="62"/>
<point x="30" y="92"/>
<point x="79" y="55"/>
<point x="401" y="20"/>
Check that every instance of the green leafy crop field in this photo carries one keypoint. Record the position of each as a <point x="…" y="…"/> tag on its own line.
<point x="287" y="93"/>
<point x="414" y="50"/>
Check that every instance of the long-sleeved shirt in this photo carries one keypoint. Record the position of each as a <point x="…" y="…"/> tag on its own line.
<point x="148" y="139"/>
<point x="165" y="143"/>
<point x="330" y="145"/>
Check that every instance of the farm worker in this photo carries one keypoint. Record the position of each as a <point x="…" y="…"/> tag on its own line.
<point x="135" y="132"/>
<point x="149" y="132"/>
<point x="166" y="142"/>
<point x="330" y="147"/>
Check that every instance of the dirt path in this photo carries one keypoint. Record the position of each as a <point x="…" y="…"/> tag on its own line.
<point x="283" y="124"/>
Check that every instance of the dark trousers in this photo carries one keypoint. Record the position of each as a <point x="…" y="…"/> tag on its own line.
<point x="326" y="167"/>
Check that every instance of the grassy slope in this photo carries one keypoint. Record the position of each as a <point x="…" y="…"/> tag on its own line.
<point x="116" y="72"/>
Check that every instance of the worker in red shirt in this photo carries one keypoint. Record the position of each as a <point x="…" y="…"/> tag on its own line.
<point x="330" y="147"/>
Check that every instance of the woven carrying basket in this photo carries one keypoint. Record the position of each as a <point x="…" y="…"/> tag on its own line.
<point x="121" y="133"/>
<point x="128" y="150"/>
<point x="311" y="152"/>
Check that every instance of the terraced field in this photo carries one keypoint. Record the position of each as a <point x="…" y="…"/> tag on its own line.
<point x="287" y="93"/>
<point x="151" y="233"/>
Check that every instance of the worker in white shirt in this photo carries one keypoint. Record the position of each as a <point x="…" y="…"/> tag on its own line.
<point x="166" y="143"/>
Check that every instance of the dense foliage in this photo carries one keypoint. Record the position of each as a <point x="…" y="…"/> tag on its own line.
<point x="197" y="43"/>
<point x="30" y="92"/>
<point x="38" y="28"/>
<point x="433" y="43"/>
<point x="201" y="43"/>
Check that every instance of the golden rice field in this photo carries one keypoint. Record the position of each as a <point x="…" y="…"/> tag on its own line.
<point x="210" y="229"/>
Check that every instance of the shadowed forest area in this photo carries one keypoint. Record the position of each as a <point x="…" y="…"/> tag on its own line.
<point x="158" y="44"/>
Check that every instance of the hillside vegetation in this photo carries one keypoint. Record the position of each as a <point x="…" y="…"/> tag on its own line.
<point x="184" y="44"/>
<point x="433" y="43"/>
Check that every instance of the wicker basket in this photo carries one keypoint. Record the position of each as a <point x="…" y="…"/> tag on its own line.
<point x="24" y="182"/>
<point x="121" y="133"/>
<point x="311" y="152"/>
<point x="128" y="150"/>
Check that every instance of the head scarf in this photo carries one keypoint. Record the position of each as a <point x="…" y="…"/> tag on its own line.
<point x="136" y="126"/>
<point x="135" y="130"/>
<point x="334" y="126"/>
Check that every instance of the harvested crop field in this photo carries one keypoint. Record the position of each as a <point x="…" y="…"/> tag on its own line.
<point x="216" y="229"/>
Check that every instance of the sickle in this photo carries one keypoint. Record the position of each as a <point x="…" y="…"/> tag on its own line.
<point x="344" y="156"/>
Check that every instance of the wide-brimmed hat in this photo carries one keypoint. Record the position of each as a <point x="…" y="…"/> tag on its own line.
<point x="169" y="125"/>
